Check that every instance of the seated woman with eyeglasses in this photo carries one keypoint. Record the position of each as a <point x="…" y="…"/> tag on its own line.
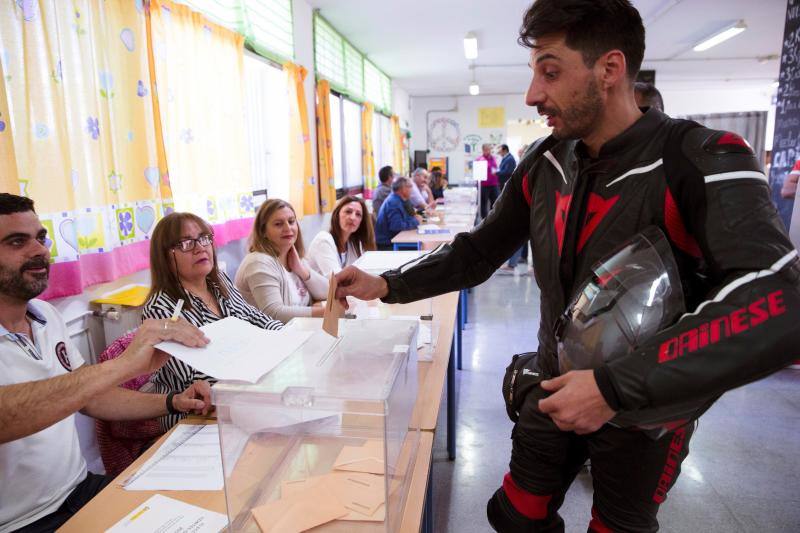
<point x="274" y="277"/>
<point x="183" y="265"/>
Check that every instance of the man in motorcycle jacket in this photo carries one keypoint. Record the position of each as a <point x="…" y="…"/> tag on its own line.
<point x="607" y="171"/>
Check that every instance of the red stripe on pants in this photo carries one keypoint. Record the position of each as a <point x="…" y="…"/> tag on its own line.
<point x="529" y="505"/>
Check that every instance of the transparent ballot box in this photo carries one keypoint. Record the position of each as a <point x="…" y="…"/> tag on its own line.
<point x="322" y="441"/>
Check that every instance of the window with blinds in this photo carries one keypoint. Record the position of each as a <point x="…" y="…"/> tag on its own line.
<point x="377" y="87"/>
<point x="265" y="24"/>
<point x="353" y="71"/>
<point x="329" y="53"/>
<point x="226" y="13"/>
<point x="372" y="83"/>
<point x="386" y="93"/>
<point x="268" y="27"/>
<point x="346" y="68"/>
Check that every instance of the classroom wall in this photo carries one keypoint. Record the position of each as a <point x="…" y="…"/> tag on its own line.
<point x="401" y="105"/>
<point x="463" y="111"/>
<point x="716" y="99"/>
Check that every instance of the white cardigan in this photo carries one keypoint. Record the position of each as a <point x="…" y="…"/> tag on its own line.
<point x="323" y="256"/>
<point x="265" y="284"/>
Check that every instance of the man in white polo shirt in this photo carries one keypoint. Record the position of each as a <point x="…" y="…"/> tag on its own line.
<point x="44" y="381"/>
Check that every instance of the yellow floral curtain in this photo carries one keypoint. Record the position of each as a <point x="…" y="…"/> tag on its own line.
<point x="198" y="76"/>
<point x="397" y="144"/>
<point x="367" y="150"/>
<point x="327" y="187"/>
<point x="303" y="184"/>
<point x="77" y="133"/>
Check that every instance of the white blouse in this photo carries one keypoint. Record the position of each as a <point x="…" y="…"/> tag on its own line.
<point x="324" y="257"/>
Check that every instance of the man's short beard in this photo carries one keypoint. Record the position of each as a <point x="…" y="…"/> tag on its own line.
<point x="14" y="284"/>
<point x="582" y="117"/>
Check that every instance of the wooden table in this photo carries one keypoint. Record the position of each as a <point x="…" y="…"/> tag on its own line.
<point x="427" y="241"/>
<point x="114" y="502"/>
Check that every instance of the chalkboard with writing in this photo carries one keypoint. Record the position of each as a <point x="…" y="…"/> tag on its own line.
<point x="786" y="142"/>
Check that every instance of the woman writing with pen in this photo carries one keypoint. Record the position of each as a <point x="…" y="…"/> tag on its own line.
<point x="183" y="266"/>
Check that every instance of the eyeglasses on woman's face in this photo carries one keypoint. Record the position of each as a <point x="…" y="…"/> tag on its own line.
<point x="187" y="245"/>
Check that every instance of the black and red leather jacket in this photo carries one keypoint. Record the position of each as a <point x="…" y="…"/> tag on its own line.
<point x="706" y="191"/>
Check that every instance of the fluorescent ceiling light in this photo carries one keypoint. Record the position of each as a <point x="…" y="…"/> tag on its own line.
<point x="471" y="46"/>
<point x="474" y="90"/>
<point x="721" y="36"/>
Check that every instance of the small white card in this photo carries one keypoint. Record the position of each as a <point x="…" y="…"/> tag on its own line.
<point x="160" y="514"/>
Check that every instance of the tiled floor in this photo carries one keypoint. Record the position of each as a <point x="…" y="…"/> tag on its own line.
<point x="742" y="475"/>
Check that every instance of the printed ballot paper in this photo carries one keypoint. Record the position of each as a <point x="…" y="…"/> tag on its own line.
<point x="238" y="350"/>
<point x="160" y="514"/>
<point x="189" y="459"/>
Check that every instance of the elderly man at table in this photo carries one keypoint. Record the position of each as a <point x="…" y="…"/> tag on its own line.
<point x="418" y="202"/>
<point x="44" y="381"/>
<point x="393" y="217"/>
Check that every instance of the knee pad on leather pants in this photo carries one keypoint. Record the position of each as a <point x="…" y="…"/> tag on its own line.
<point x="503" y="517"/>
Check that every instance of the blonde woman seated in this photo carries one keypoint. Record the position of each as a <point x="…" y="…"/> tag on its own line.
<point x="274" y="277"/>
<point x="183" y="265"/>
<point x="351" y="235"/>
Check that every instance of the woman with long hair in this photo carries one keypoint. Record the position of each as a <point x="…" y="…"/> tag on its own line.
<point x="350" y="235"/>
<point x="183" y="266"/>
<point x="274" y="277"/>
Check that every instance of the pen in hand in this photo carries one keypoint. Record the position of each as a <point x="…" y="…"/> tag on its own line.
<point x="177" y="312"/>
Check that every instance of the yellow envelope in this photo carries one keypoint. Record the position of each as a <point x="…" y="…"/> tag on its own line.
<point x="333" y="310"/>
<point x="299" y="511"/>
<point x="366" y="458"/>
<point x="362" y="494"/>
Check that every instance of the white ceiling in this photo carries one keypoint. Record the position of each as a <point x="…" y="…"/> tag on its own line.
<point x="419" y="42"/>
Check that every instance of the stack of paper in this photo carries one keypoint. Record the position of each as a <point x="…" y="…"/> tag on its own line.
<point x="188" y="460"/>
<point x="238" y="350"/>
<point x="355" y="490"/>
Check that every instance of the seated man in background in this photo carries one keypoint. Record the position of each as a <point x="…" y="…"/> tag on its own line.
<point x="393" y="217"/>
<point x="417" y="200"/>
<point x="421" y="181"/>
<point x="385" y="175"/>
<point x="44" y="381"/>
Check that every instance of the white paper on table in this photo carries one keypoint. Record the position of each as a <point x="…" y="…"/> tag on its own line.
<point x="160" y="514"/>
<point x="194" y="465"/>
<point x="238" y="349"/>
<point x="434" y="219"/>
<point x="381" y="261"/>
<point x="428" y="227"/>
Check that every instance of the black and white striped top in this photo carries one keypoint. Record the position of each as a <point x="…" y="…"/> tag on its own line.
<point x="175" y="375"/>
